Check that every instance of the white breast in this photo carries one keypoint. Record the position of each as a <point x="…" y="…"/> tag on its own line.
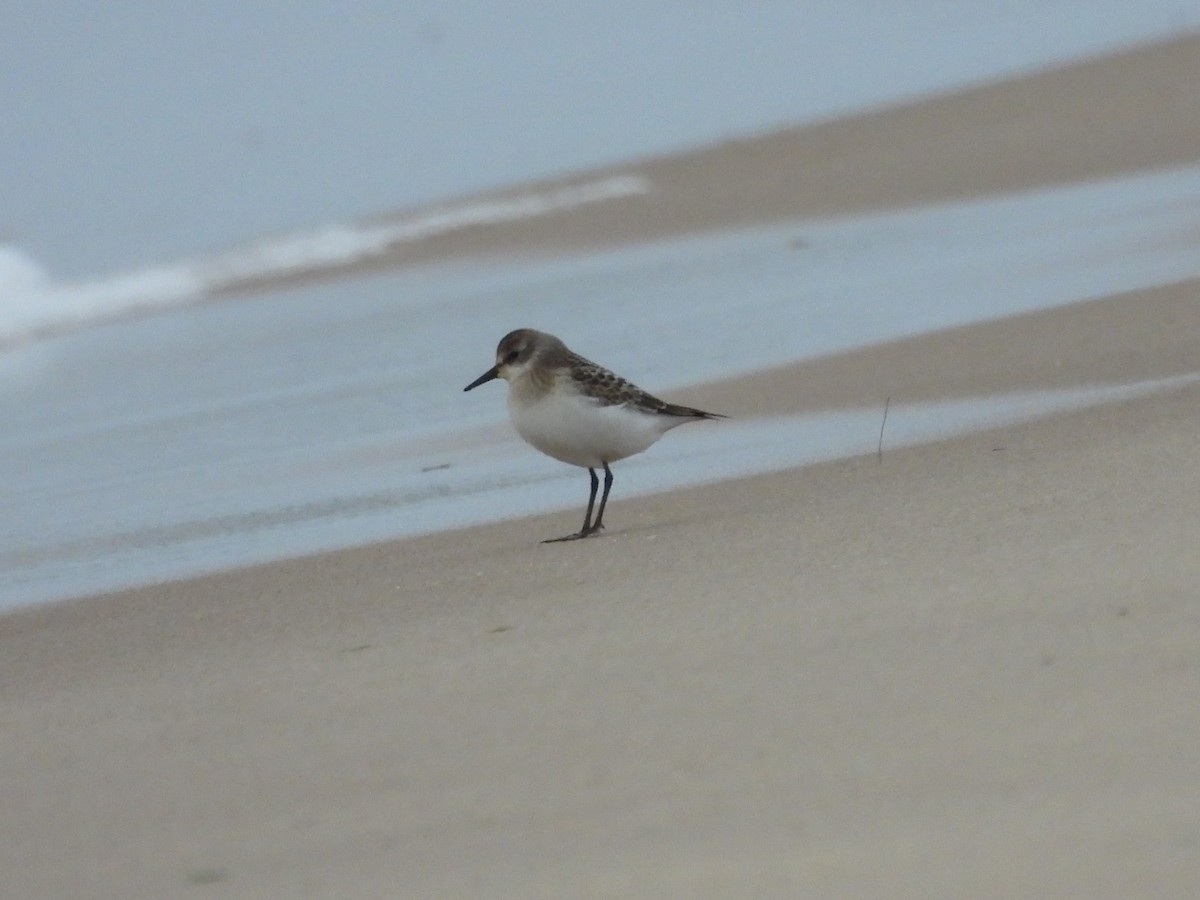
<point x="575" y="430"/>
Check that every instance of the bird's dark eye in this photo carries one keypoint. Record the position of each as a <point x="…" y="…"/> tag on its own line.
<point x="511" y="356"/>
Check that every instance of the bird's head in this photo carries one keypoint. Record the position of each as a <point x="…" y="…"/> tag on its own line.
<point x="516" y="354"/>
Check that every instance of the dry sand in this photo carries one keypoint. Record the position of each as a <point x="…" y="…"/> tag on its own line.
<point x="969" y="671"/>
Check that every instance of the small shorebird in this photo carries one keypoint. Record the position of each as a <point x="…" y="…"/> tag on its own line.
<point x="579" y="412"/>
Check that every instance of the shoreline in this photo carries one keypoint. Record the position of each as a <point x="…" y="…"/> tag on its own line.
<point x="467" y="694"/>
<point x="1136" y="336"/>
<point x="965" y="670"/>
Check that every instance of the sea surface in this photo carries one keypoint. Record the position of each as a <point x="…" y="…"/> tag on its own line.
<point x="150" y="434"/>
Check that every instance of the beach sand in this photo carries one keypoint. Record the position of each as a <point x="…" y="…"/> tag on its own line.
<point x="967" y="669"/>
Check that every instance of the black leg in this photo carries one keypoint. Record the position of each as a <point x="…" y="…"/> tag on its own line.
<point x="608" y="480"/>
<point x="588" y="527"/>
<point x="587" y="518"/>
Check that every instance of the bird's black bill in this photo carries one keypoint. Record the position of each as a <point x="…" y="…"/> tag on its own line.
<point x="493" y="372"/>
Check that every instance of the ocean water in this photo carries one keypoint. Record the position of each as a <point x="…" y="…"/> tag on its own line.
<point x="142" y="133"/>
<point x="154" y="154"/>
<point x="220" y="434"/>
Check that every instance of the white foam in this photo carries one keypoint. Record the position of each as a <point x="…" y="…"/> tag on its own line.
<point x="342" y="244"/>
<point x="51" y="309"/>
<point x="19" y="273"/>
<point x="33" y="306"/>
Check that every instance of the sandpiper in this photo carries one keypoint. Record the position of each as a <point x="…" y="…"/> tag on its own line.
<point x="579" y="412"/>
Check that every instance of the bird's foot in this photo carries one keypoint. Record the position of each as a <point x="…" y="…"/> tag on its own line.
<point x="579" y="535"/>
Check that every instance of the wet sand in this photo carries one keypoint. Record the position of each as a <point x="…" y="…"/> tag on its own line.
<point x="966" y="670"/>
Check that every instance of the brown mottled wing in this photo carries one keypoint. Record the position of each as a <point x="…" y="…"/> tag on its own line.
<point x="610" y="389"/>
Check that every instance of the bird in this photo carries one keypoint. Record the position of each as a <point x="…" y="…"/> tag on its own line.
<point x="578" y="412"/>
